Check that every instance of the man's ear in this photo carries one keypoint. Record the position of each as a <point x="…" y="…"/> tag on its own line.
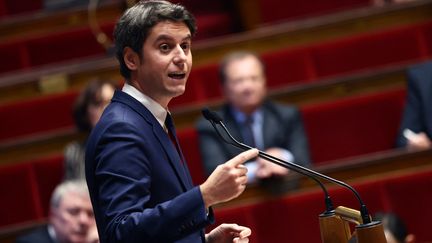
<point x="131" y="58"/>
<point x="53" y="214"/>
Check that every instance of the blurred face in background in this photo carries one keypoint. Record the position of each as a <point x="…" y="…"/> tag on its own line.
<point x="73" y="219"/>
<point x="245" y="83"/>
<point x="95" y="109"/>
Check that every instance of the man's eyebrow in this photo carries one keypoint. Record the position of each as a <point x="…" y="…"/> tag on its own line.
<point x="168" y="38"/>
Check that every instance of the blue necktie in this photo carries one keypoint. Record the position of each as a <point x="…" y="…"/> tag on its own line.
<point x="248" y="135"/>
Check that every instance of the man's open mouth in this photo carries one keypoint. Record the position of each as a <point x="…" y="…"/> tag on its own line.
<point x="177" y="75"/>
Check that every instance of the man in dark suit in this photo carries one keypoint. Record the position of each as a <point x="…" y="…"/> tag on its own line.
<point x="71" y="217"/>
<point x="139" y="183"/>
<point x="275" y="128"/>
<point x="416" y="126"/>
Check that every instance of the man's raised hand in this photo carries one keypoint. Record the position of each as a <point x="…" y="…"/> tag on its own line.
<point x="228" y="180"/>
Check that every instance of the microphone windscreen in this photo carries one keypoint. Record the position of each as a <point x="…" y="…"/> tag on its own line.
<point x="211" y="115"/>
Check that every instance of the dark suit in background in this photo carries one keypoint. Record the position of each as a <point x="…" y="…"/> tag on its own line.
<point x="282" y="127"/>
<point x="39" y="235"/>
<point x="418" y="109"/>
<point x="139" y="185"/>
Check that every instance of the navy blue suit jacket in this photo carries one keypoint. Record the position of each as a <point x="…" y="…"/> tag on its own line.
<point x="140" y="189"/>
<point x="282" y="127"/>
<point x="418" y="109"/>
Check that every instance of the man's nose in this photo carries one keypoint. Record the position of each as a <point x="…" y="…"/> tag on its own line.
<point x="180" y="56"/>
<point x="84" y="218"/>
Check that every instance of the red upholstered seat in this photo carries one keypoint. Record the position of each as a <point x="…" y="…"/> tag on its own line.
<point x="353" y="126"/>
<point x="43" y="114"/>
<point x="213" y="18"/>
<point x="191" y="95"/>
<point x="427" y="32"/>
<point x="208" y="80"/>
<point x="274" y="10"/>
<point x="368" y="51"/>
<point x="214" y="24"/>
<point x="14" y="56"/>
<point x="49" y="172"/>
<point x="3" y="10"/>
<point x="203" y="85"/>
<point x="288" y="66"/>
<point x="188" y="139"/>
<point x="66" y="45"/>
<point x="19" y="198"/>
<point x="372" y="193"/>
<point x="410" y="197"/>
<point x="295" y="217"/>
<point x="50" y="49"/>
<point x="11" y="7"/>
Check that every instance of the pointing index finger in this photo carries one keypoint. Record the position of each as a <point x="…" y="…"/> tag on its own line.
<point x="246" y="232"/>
<point x="243" y="157"/>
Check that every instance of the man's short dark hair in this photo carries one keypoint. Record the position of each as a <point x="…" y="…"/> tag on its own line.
<point x="234" y="56"/>
<point x="133" y="27"/>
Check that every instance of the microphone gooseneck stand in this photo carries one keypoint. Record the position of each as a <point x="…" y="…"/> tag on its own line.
<point x="334" y="227"/>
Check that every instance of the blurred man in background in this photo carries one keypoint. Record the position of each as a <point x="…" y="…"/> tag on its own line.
<point x="416" y="126"/>
<point x="71" y="218"/>
<point x="253" y="120"/>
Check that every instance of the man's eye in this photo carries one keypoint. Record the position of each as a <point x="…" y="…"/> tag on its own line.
<point x="185" y="46"/>
<point x="164" y="47"/>
<point x="73" y="211"/>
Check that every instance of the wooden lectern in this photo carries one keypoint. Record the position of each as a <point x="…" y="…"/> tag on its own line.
<point x="335" y="227"/>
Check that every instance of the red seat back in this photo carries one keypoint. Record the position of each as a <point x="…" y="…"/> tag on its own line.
<point x="33" y="116"/>
<point x="49" y="173"/>
<point x="188" y="139"/>
<point x="19" y="197"/>
<point x="353" y="126"/>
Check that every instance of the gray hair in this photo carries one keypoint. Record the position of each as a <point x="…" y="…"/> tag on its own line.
<point x="133" y="27"/>
<point x="76" y="186"/>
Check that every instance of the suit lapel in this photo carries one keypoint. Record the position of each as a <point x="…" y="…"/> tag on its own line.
<point x="175" y="159"/>
<point x="161" y="135"/>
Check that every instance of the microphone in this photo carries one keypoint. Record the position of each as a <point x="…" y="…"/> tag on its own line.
<point x="214" y="119"/>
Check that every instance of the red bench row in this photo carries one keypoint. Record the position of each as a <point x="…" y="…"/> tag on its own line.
<point x="10" y="7"/>
<point x="76" y="43"/>
<point x="276" y="11"/>
<point x="403" y="44"/>
<point x="266" y="9"/>
<point x="26" y="189"/>
<point x="57" y="47"/>
<point x="335" y="129"/>
<point x="292" y="218"/>
<point x="407" y="44"/>
<point x="39" y="115"/>
<point x="284" y="68"/>
<point x="295" y="218"/>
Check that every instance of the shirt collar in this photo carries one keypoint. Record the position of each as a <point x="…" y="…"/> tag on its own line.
<point x="52" y="233"/>
<point x="155" y="108"/>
